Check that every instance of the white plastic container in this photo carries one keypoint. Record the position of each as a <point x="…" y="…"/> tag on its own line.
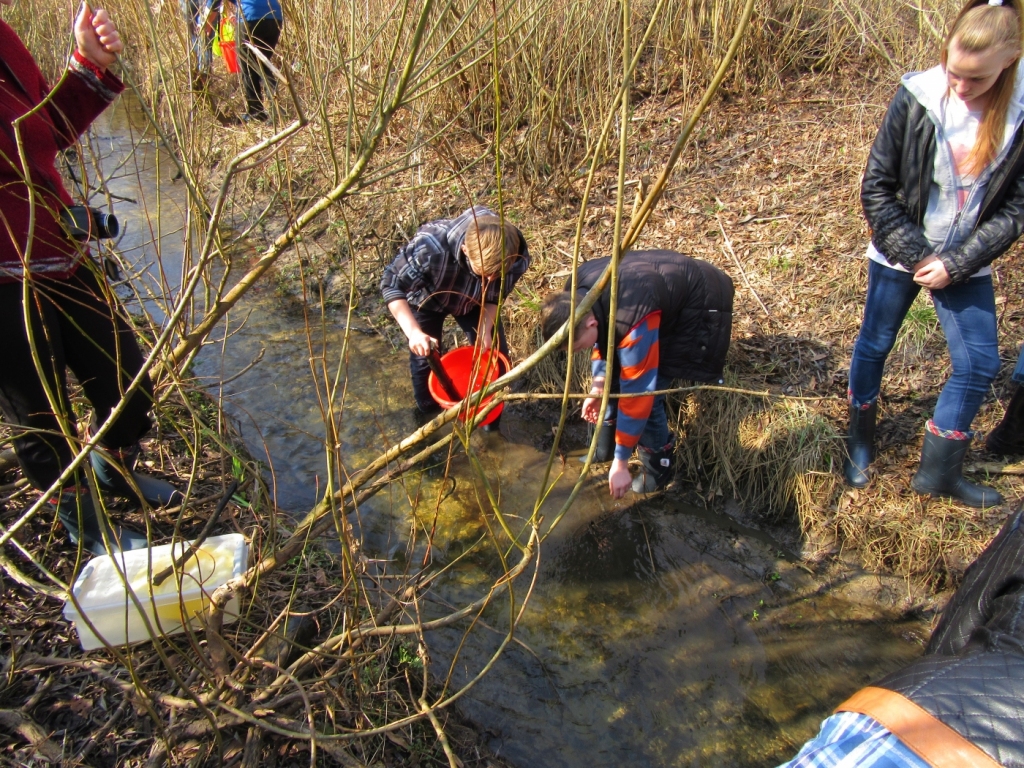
<point x="102" y="597"/>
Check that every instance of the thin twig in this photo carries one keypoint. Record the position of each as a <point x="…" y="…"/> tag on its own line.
<point x="739" y="266"/>
<point x="192" y="548"/>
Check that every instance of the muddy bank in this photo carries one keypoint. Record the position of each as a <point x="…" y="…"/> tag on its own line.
<point x="143" y="704"/>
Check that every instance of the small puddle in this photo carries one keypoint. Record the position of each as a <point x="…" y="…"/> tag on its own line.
<point x="657" y="634"/>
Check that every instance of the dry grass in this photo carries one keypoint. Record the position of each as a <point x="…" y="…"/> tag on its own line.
<point x="770" y="195"/>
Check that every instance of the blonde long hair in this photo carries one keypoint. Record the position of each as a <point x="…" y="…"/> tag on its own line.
<point x="980" y="27"/>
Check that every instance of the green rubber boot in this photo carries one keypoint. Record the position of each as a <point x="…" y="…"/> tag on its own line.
<point x="941" y="473"/>
<point x="605" y="450"/>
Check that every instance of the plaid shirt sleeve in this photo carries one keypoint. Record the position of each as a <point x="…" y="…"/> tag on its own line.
<point x="420" y="263"/>
<point x="852" y="740"/>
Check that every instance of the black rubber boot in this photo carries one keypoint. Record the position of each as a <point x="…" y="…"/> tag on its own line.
<point x="423" y="417"/>
<point x="860" y="445"/>
<point x="941" y="473"/>
<point x="658" y="469"/>
<point x="434" y="464"/>
<point x="78" y="514"/>
<point x="1008" y="436"/>
<point x="112" y="465"/>
<point x="605" y="450"/>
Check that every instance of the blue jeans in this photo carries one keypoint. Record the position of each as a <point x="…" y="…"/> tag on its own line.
<point x="967" y="313"/>
<point x="1018" y="372"/>
<point x="655" y="435"/>
<point x="194" y="12"/>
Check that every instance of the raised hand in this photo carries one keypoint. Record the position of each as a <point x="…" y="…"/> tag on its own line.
<point x="97" y="36"/>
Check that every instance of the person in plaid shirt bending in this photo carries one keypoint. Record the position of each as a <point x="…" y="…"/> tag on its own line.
<point x="453" y="267"/>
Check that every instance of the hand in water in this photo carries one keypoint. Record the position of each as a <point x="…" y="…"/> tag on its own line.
<point x="619" y="479"/>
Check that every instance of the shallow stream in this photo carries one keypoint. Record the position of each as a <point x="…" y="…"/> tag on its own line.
<point x="657" y="634"/>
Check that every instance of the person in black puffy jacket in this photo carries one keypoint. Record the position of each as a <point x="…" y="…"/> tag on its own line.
<point x="962" y="703"/>
<point x="673" y="320"/>
<point x="943" y="193"/>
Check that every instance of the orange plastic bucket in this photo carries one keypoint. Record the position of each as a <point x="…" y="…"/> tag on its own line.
<point x="230" y="55"/>
<point x="470" y="375"/>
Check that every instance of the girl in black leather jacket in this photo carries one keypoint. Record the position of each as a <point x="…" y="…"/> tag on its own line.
<point x="943" y="193"/>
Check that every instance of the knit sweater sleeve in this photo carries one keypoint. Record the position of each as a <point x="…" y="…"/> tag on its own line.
<point x="79" y="98"/>
<point x="638" y="355"/>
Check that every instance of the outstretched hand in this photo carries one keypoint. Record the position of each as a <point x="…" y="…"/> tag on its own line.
<point x="619" y="478"/>
<point x="591" y="409"/>
<point x="592" y="405"/>
<point x="97" y="36"/>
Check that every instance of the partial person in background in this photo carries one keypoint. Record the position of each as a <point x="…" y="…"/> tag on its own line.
<point x="463" y="267"/>
<point x="673" y="320"/>
<point x="959" y="706"/>
<point x="1008" y="436"/>
<point x="943" y="193"/>
<point x="200" y="35"/>
<point x="74" y="319"/>
<point x="261" y="27"/>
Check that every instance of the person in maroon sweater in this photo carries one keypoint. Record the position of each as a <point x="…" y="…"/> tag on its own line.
<point x="74" y="321"/>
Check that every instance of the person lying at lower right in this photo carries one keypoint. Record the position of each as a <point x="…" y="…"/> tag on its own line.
<point x="961" y="705"/>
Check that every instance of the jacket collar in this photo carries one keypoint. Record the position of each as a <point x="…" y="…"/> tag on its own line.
<point x="930" y="87"/>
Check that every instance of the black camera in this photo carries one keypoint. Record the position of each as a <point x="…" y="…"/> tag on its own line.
<point x="85" y="223"/>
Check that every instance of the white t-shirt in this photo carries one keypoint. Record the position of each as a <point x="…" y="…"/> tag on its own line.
<point x="960" y="126"/>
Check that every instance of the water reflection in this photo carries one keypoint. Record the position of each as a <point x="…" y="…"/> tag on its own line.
<point x="652" y="640"/>
<point x="656" y="635"/>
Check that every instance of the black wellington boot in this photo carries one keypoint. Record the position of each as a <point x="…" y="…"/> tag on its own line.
<point x="1008" y="436"/>
<point x="78" y="514"/>
<point x="941" y="473"/>
<point x="112" y="465"/>
<point x="434" y="464"/>
<point x="657" y="470"/>
<point x="860" y="445"/>
<point x="605" y="450"/>
<point x="423" y="416"/>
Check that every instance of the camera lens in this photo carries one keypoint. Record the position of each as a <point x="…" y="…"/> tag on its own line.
<point x="107" y="225"/>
